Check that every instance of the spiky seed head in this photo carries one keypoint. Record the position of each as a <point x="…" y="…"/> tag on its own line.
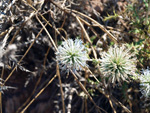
<point x="117" y="63"/>
<point x="72" y="55"/>
<point x="145" y="82"/>
<point x="6" y="52"/>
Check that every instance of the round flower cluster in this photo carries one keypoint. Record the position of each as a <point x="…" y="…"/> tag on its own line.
<point x="117" y="63"/>
<point x="145" y="82"/>
<point x="72" y="55"/>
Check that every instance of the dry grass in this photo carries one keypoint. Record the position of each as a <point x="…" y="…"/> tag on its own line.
<point x="43" y="25"/>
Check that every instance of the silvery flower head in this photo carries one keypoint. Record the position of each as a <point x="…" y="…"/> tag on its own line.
<point x="72" y="55"/>
<point x="117" y="63"/>
<point x="145" y="82"/>
<point x="6" y="52"/>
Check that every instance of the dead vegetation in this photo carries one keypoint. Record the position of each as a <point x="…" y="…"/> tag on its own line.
<point x="30" y="33"/>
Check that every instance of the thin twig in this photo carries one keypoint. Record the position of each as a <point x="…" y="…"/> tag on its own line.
<point x="41" y="91"/>
<point x="44" y="19"/>
<point x="61" y="89"/>
<point x="86" y="92"/>
<point x="99" y="25"/>
<point x="85" y="99"/>
<point x="37" y="83"/>
<point x="23" y="56"/>
<point x="51" y="39"/>
<point x="111" y="104"/>
<point x="23" y="24"/>
<point x="2" y="74"/>
<point x="70" y="11"/>
<point x="110" y="97"/>
<point x="7" y="36"/>
<point x="87" y="36"/>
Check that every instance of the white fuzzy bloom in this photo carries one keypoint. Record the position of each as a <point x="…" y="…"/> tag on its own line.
<point x="2" y="51"/>
<point x="145" y="82"/>
<point x="117" y="63"/>
<point x="71" y="55"/>
<point x="6" y="52"/>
